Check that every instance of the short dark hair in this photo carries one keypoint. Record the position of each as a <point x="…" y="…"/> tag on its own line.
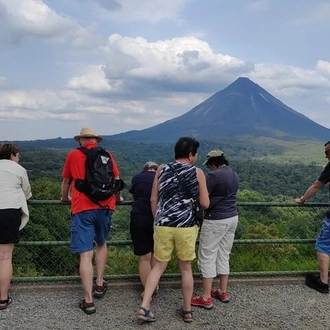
<point x="184" y="146"/>
<point x="327" y="143"/>
<point x="217" y="161"/>
<point x="7" y="149"/>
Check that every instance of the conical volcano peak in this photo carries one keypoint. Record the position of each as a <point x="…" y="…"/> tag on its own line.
<point x="243" y="85"/>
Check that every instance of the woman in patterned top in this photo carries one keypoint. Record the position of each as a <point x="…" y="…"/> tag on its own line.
<point x="174" y="226"/>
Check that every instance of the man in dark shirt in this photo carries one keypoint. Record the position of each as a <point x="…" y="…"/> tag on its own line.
<point x="320" y="283"/>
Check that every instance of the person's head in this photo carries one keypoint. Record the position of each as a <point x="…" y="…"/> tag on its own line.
<point x="150" y="166"/>
<point x="215" y="159"/>
<point x="186" y="148"/>
<point x="9" y="151"/>
<point x="87" y="134"/>
<point x="327" y="150"/>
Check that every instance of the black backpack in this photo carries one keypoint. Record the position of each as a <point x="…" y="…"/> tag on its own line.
<point x="99" y="183"/>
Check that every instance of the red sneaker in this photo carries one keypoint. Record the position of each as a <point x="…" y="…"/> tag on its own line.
<point x="200" y="301"/>
<point x="222" y="296"/>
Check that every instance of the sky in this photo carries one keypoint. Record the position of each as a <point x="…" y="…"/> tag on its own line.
<point x="121" y="65"/>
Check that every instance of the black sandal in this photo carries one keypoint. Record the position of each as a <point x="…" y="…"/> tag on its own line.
<point x="5" y="303"/>
<point x="88" y="308"/>
<point x="184" y="314"/>
<point x="100" y="290"/>
<point x="147" y="317"/>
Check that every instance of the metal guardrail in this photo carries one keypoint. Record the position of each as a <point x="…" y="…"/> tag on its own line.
<point x="260" y="249"/>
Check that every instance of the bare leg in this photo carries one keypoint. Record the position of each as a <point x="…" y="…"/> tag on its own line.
<point x="101" y="256"/>
<point x="223" y="283"/>
<point x="6" y="269"/>
<point x="152" y="282"/>
<point x="207" y="286"/>
<point x="86" y="274"/>
<point x="144" y="267"/>
<point x="152" y="260"/>
<point x="187" y="282"/>
<point x="323" y="262"/>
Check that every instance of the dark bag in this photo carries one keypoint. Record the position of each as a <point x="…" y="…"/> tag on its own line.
<point x="198" y="212"/>
<point x="99" y="183"/>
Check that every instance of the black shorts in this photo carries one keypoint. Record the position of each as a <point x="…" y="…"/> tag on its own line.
<point x="10" y="220"/>
<point x="142" y="233"/>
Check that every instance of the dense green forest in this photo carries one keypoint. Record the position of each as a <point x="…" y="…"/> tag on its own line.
<point x="258" y="165"/>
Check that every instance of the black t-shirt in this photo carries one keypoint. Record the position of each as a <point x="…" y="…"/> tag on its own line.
<point x="325" y="178"/>
<point x="141" y="190"/>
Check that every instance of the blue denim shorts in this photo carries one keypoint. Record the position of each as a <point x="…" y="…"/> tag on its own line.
<point x="323" y="241"/>
<point x="89" y="226"/>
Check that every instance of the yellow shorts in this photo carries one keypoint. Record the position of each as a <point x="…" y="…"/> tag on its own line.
<point x="183" y="240"/>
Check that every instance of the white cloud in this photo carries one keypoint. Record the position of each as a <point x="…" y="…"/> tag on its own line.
<point x="289" y="80"/>
<point x="323" y="67"/>
<point x="167" y="64"/>
<point x="20" y="19"/>
<point x="93" y="80"/>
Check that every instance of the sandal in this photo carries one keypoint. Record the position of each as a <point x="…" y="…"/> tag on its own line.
<point x="184" y="314"/>
<point x="147" y="317"/>
<point x="5" y="303"/>
<point x="100" y="290"/>
<point x="88" y="308"/>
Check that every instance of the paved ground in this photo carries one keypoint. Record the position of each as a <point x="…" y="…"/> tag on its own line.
<point x="257" y="304"/>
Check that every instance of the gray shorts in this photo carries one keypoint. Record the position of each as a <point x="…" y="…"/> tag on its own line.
<point x="215" y="243"/>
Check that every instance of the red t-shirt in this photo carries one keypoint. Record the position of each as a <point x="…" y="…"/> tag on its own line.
<point x="74" y="168"/>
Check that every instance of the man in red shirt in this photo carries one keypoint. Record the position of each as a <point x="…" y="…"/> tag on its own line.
<point x="90" y="222"/>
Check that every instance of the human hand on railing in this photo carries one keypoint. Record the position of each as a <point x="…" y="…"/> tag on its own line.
<point x="66" y="199"/>
<point x="299" y="201"/>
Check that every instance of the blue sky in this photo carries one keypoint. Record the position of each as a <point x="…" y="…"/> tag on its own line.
<point x="120" y="65"/>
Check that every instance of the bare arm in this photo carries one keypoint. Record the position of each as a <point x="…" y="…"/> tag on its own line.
<point x="119" y="197"/>
<point x="204" y="199"/>
<point x="310" y="192"/>
<point x="65" y="189"/>
<point x="154" y="192"/>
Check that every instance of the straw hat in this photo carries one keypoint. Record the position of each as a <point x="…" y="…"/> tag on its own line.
<point x="88" y="132"/>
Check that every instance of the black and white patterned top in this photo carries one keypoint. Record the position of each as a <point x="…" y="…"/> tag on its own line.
<point x="174" y="207"/>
